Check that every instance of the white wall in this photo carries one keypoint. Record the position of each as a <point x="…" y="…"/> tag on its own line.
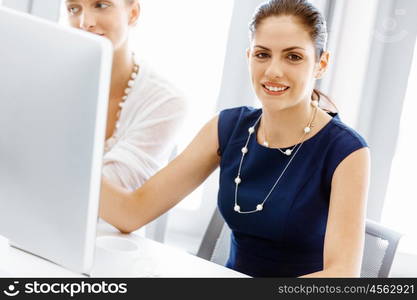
<point x="22" y="5"/>
<point x="47" y="9"/>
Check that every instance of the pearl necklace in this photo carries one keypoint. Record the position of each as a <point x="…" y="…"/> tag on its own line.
<point x="244" y="150"/>
<point x="307" y="130"/>
<point x="112" y="140"/>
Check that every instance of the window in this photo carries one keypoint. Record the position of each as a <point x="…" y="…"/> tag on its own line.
<point x="401" y="199"/>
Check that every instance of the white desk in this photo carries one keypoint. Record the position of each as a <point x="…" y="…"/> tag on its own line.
<point x="161" y="261"/>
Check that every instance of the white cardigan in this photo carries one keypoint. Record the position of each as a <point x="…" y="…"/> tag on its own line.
<point x="149" y="122"/>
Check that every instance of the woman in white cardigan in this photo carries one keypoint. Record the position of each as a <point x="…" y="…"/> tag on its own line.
<point x="145" y="111"/>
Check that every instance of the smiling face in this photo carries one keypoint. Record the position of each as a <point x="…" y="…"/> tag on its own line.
<point x="110" y="18"/>
<point x="283" y="63"/>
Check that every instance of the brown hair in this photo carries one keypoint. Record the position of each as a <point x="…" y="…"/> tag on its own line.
<point x="308" y="15"/>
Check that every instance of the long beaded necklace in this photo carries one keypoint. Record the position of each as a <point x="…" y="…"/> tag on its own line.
<point x="112" y="140"/>
<point x="244" y="150"/>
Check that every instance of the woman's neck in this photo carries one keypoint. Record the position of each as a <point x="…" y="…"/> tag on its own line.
<point x="121" y="71"/>
<point x="284" y="128"/>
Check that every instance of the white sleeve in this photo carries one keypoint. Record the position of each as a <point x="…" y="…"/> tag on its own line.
<point x="147" y="140"/>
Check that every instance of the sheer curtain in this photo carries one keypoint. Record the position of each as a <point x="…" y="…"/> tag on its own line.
<point x="401" y="199"/>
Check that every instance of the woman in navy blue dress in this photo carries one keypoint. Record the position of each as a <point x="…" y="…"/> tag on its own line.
<point x="293" y="177"/>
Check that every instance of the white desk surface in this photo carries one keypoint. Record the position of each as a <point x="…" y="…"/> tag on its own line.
<point x="161" y="261"/>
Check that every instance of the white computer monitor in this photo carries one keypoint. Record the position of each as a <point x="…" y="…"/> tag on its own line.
<point x="54" y="87"/>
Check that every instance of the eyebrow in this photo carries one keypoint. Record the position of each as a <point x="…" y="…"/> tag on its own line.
<point x="285" y="50"/>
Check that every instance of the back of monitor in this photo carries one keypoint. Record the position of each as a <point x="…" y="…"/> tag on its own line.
<point x="54" y="87"/>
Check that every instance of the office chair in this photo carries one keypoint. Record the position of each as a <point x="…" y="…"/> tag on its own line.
<point x="381" y="245"/>
<point x="216" y="241"/>
<point x="215" y="245"/>
<point x="379" y="249"/>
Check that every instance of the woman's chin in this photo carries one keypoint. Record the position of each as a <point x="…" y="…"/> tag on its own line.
<point x="279" y="106"/>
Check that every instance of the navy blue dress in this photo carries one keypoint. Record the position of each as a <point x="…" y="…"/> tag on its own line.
<point x="286" y="238"/>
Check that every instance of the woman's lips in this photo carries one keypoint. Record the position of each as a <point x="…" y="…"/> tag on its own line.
<point x="275" y="90"/>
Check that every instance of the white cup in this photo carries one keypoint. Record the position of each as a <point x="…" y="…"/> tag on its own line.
<point x="115" y="257"/>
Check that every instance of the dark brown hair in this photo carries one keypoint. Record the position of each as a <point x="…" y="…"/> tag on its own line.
<point x="308" y="15"/>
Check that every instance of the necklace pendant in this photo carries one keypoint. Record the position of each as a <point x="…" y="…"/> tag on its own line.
<point x="307" y="129"/>
<point x="288" y="152"/>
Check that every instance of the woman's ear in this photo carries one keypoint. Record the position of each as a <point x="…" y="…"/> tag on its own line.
<point x="134" y="13"/>
<point x="322" y="64"/>
<point x="247" y="53"/>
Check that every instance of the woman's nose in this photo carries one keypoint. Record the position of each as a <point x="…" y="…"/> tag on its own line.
<point x="87" y="21"/>
<point x="274" y="69"/>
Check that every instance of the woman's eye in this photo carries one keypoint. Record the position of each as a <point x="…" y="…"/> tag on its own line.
<point x="73" y="10"/>
<point x="262" y="55"/>
<point x="294" y="57"/>
<point x="102" y="5"/>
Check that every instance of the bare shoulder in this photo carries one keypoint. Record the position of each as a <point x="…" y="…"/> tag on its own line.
<point x="360" y="157"/>
<point x="355" y="167"/>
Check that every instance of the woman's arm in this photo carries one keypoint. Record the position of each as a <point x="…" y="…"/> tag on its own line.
<point x="128" y="211"/>
<point x="345" y="231"/>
